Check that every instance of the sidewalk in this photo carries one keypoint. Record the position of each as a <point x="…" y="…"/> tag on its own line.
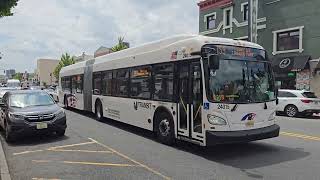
<point x="4" y="170"/>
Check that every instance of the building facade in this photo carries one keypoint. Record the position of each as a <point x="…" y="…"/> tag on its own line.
<point x="45" y="68"/>
<point x="10" y="73"/>
<point x="101" y="51"/>
<point x="83" y="57"/>
<point x="287" y="29"/>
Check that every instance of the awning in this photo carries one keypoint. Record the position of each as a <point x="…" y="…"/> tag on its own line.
<point x="290" y="64"/>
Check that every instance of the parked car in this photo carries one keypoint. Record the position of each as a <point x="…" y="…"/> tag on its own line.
<point x="294" y="102"/>
<point x="30" y="111"/>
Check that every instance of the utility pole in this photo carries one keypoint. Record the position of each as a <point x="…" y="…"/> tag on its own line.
<point x="252" y="21"/>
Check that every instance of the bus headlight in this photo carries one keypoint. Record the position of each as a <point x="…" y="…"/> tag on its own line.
<point x="272" y="116"/>
<point x="216" y="120"/>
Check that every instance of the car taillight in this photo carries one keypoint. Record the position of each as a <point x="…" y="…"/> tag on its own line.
<point x="306" y="101"/>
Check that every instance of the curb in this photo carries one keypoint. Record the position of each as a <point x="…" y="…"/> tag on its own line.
<point x="4" y="170"/>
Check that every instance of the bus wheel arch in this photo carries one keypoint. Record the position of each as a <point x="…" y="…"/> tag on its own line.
<point x="98" y="109"/>
<point x="163" y="126"/>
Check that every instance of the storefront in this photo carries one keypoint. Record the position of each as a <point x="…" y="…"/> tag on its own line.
<point x="292" y="72"/>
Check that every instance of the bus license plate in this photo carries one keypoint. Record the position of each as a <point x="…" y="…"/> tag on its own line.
<point x="42" y="125"/>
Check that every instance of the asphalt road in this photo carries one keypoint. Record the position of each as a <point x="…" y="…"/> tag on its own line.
<point x="112" y="150"/>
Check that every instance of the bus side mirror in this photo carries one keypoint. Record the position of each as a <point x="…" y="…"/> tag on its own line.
<point x="214" y="62"/>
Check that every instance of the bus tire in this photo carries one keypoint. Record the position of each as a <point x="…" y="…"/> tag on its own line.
<point x="98" y="111"/>
<point x="65" y="102"/>
<point x="165" y="128"/>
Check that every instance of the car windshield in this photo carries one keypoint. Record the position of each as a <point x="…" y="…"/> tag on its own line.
<point x="30" y="99"/>
<point x="309" y="95"/>
<point x="13" y="84"/>
<point x="241" y="81"/>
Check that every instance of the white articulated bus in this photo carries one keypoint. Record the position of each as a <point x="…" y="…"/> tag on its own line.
<point x="200" y="89"/>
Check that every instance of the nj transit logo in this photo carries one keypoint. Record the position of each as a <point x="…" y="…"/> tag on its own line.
<point x="249" y="117"/>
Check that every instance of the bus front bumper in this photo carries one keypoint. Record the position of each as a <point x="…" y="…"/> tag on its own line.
<point x="215" y="137"/>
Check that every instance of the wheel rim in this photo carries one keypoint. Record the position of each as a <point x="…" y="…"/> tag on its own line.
<point x="164" y="127"/>
<point x="99" y="112"/>
<point x="291" y="111"/>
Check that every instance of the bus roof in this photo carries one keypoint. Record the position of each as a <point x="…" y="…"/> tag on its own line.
<point x="155" y="52"/>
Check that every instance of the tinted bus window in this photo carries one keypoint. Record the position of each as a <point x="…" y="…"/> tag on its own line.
<point x="97" y="83"/>
<point x="79" y="83"/>
<point x="163" y="76"/>
<point x="120" y="82"/>
<point x="74" y="84"/>
<point x="68" y="83"/>
<point x="107" y="83"/>
<point x="141" y="82"/>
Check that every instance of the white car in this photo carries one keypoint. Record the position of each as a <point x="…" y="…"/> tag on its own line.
<point x="294" y="102"/>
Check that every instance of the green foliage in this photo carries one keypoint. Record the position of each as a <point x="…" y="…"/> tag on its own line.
<point x="6" y="7"/>
<point x="120" y="46"/>
<point x="17" y="76"/>
<point x="65" y="60"/>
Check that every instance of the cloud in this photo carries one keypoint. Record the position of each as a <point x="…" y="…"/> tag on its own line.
<point x="48" y="28"/>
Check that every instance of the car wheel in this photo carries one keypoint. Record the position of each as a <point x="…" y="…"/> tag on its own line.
<point x="291" y="111"/>
<point x="165" y="128"/>
<point x="99" y="111"/>
<point x="61" y="132"/>
<point x="8" y="134"/>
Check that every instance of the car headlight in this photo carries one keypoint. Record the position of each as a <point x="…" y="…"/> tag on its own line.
<point x="60" y="113"/>
<point x="272" y="116"/>
<point x="216" y="120"/>
<point x="15" y="116"/>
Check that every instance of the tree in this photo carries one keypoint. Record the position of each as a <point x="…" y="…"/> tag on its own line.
<point x="17" y="76"/>
<point x="65" y="60"/>
<point x="120" y="46"/>
<point x="6" y="7"/>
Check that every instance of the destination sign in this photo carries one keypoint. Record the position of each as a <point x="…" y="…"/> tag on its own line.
<point x="238" y="53"/>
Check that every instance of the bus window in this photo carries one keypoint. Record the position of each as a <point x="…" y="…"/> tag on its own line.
<point x="97" y="83"/>
<point x="67" y="84"/>
<point x="107" y="83"/>
<point x="74" y="84"/>
<point x="140" y="82"/>
<point x="120" y="83"/>
<point x="79" y="83"/>
<point x="163" y="76"/>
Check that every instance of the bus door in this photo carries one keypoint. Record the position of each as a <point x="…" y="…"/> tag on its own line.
<point x="190" y="100"/>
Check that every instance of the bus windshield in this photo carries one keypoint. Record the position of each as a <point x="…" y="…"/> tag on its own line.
<point x="241" y="79"/>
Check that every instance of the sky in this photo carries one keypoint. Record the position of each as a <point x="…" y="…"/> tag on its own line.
<point x="49" y="28"/>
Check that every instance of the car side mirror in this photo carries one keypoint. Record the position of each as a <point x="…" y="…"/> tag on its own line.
<point x="214" y="62"/>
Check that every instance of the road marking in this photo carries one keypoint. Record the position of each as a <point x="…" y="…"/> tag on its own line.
<point x="99" y="164"/>
<point x="307" y="137"/>
<point x="27" y="152"/>
<point x="54" y="148"/>
<point x="45" y="179"/>
<point x="85" y="163"/>
<point x="132" y="160"/>
<point x="74" y="150"/>
<point x="41" y="161"/>
<point x="70" y="145"/>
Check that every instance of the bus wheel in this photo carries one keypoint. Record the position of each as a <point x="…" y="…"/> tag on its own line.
<point x="66" y="103"/>
<point x="99" y="111"/>
<point x="165" y="128"/>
